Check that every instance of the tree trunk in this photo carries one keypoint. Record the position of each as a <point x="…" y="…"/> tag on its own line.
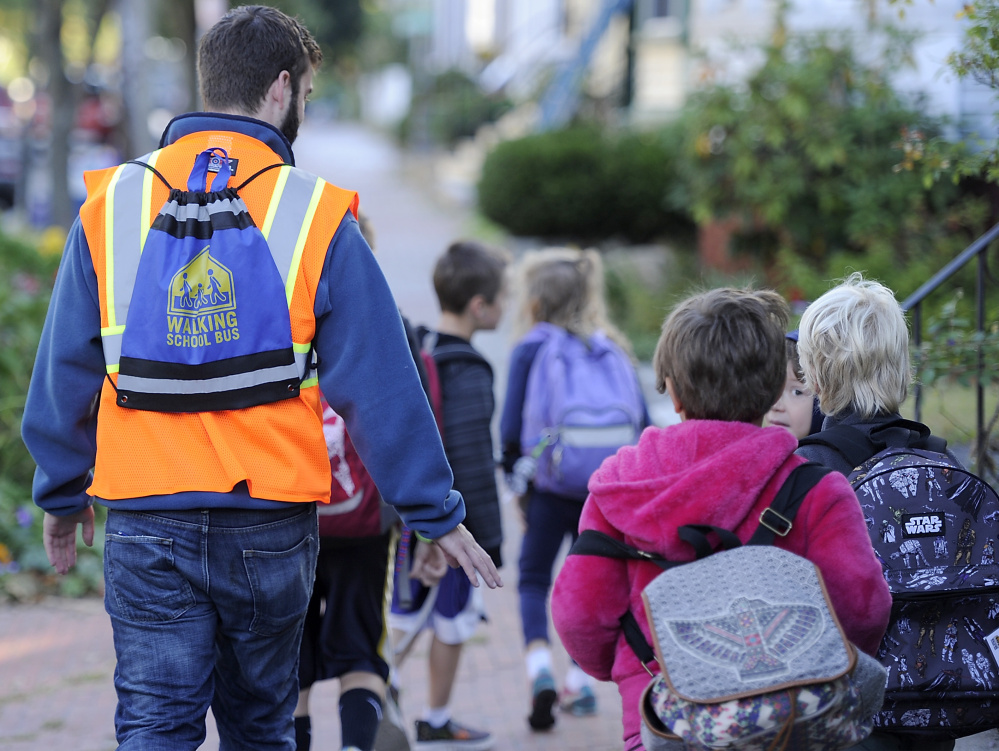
<point x="62" y="109"/>
<point x="188" y="29"/>
<point x="135" y="30"/>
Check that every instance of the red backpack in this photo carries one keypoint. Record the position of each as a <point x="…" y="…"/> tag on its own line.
<point x="354" y="509"/>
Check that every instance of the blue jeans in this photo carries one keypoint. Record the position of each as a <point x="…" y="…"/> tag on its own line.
<point x="550" y="519"/>
<point x="207" y="610"/>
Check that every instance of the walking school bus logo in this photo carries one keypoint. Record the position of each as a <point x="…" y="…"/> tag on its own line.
<point x="202" y="306"/>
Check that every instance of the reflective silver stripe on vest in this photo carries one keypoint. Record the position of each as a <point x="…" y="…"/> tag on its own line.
<point x="111" y="341"/>
<point x="289" y="219"/>
<point x="127" y="224"/>
<point x="213" y="385"/>
<point x="130" y="192"/>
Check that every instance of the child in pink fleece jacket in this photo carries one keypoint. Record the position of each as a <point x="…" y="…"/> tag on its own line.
<point x="721" y="358"/>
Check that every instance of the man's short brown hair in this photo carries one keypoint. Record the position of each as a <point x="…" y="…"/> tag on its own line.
<point x="242" y="55"/>
<point x="723" y="351"/>
<point x="466" y="269"/>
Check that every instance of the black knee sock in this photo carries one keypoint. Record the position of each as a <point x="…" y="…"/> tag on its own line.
<point x="360" y="713"/>
<point x="303" y="733"/>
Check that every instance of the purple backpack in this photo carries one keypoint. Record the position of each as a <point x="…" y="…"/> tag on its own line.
<point x="582" y="403"/>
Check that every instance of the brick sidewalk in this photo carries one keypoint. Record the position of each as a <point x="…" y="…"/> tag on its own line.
<point x="57" y="665"/>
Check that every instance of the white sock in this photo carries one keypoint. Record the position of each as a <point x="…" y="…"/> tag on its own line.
<point x="437" y="716"/>
<point x="575" y="679"/>
<point x="538" y="659"/>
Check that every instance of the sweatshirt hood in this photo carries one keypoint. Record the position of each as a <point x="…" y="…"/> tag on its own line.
<point x="697" y="472"/>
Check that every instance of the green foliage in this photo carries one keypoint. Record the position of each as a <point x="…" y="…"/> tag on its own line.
<point x="953" y="347"/>
<point x="582" y="184"/>
<point x="336" y="24"/>
<point x="25" y="285"/>
<point x="808" y="152"/>
<point x="450" y="108"/>
<point x="979" y="57"/>
<point x="932" y="157"/>
<point x="955" y="353"/>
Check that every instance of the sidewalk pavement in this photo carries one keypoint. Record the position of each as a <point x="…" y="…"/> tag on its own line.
<point x="57" y="666"/>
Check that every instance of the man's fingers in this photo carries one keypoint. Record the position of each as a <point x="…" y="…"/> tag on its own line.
<point x="461" y="550"/>
<point x="59" y="537"/>
<point x="88" y="532"/>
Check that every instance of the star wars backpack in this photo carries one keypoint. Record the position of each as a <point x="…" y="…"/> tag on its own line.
<point x="750" y="651"/>
<point x="933" y="525"/>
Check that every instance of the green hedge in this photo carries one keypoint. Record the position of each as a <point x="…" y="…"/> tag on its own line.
<point x="582" y="184"/>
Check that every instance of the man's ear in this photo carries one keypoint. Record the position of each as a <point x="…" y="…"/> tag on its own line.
<point x="278" y="96"/>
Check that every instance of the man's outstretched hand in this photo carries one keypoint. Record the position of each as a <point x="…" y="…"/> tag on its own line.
<point x="461" y="549"/>
<point x="59" y="537"/>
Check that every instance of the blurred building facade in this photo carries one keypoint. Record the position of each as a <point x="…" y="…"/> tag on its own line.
<point x="648" y="55"/>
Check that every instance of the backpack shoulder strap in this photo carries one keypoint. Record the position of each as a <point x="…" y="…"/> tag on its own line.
<point x="919" y="436"/>
<point x="449" y="351"/>
<point x="458" y="351"/>
<point x="777" y="518"/>
<point x="592" y="542"/>
<point x="852" y="444"/>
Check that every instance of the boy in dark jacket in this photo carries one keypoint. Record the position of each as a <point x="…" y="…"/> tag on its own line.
<point x="469" y="281"/>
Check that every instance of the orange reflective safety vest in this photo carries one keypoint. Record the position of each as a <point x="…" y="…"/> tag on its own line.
<point x="277" y="448"/>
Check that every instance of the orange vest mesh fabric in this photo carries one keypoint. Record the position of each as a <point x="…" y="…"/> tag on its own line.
<point x="278" y="448"/>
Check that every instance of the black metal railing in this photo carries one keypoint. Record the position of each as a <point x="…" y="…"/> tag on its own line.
<point x="914" y="302"/>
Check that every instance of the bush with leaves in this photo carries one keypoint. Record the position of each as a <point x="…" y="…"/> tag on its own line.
<point x="582" y="184"/>
<point x="25" y="285"/>
<point x="809" y="156"/>
<point x="955" y="352"/>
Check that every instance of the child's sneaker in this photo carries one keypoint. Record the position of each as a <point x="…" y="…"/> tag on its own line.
<point x="542" y="702"/>
<point x="582" y="703"/>
<point x="391" y="731"/>
<point x="452" y="735"/>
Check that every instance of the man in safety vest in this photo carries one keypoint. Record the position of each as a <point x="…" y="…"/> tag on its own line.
<point x="203" y="436"/>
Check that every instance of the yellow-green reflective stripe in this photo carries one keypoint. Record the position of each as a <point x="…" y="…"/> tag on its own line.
<point x="282" y="180"/>
<point x="303" y="235"/>
<point x="109" y="245"/>
<point x="309" y="383"/>
<point x="111" y="343"/>
<point x="302" y="347"/>
<point x="147" y="199"/>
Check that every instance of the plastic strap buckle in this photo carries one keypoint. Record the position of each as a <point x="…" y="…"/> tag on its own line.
<point x="779" y="524"/>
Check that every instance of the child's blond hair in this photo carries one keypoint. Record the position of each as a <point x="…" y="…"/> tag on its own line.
<point x="854" y="348"/>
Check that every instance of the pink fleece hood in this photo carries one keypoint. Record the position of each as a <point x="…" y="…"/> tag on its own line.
<point x="692" y="473"/>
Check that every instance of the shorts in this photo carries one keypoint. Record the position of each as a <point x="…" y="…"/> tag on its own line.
<point x="452" y="609"/>
<point x="346" y="626"/>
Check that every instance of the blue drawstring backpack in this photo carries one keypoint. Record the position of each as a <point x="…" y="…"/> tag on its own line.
<point x="208" y="326"/>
